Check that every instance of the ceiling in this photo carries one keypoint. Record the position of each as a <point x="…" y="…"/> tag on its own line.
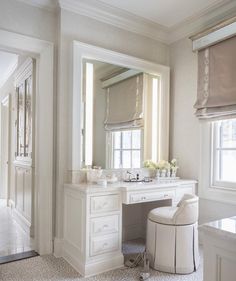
<point x="8" y="63"/>
<point x="165" y="12"/>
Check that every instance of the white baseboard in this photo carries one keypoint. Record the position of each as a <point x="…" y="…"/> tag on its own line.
<point x="72" y="259"/>
<point x="117" y="261"/>
<point x="11" y="204"/>
<point x="22" y="221"/>
<point x="93" y="267"/>
<point x="58" y="247"/>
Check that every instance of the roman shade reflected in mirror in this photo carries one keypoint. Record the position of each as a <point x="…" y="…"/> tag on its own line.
<point x="125" y="104"/>
<point x="216" y="96"/>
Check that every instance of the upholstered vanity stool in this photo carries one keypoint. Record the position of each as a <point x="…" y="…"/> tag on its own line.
<point x="172" y="237"/>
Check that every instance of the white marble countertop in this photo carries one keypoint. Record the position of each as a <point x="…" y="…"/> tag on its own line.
<point x="226" y="228"/>
<point x="128" y="186"/>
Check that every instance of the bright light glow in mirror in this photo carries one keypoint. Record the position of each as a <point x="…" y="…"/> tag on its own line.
<point x="154" y="118"/>
<point x="89" y="115"/>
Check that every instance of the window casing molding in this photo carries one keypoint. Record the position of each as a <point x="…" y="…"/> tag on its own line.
<point x="207" y="189"/>
<point x="110" y="149"/>
<point x="215" y="170"/>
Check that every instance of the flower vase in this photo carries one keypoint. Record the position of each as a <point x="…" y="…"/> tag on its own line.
<point x="173" y="174"/>
<point x="168" y="174"/>
<point x="163" y="173"/>
<point x="158" y="174"/>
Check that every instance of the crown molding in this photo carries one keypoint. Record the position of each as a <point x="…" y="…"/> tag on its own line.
<point x="201" y="22"/>
<point x="49" y="5"/>
<point x="116" y="17"/>
<point x="122" y="19"/>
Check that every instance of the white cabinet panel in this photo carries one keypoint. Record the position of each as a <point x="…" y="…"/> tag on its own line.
<point x="74" y="219"/>
<point x="105" y="203"/>
<point x="104" y="225"/>
<point x="185" y="189"/>
<point x="27" y="193"/>
<point x="151" y="196"/>
<point x="19" y="189"/>
<point x="104" y="244"/>
<point x="23" y="195"/>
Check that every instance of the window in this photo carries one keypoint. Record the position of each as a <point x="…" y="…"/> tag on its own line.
<point x="224" y="153"/>
<point x="126" y="149"/>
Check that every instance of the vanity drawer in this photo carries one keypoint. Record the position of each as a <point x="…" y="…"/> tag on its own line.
<point x="104" y="225"/>
<point x="152" y="196"/>
<point x="104" y="244"/>
<point x="105" y="203"/>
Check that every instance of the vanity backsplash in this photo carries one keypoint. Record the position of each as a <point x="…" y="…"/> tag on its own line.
<point x="83" y="176"/>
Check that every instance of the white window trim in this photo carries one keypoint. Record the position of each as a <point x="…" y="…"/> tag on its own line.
<point x="206" y="188"/>
<point x="109" y="149"/>
<point x="218" y="183"/>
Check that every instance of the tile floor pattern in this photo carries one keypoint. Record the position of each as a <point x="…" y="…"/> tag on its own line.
<point x="49" y="268"/>
<point x="13" y="238"/>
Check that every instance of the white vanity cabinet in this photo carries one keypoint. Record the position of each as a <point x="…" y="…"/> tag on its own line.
<point x="219" y="250"/>
<point x="92" y="230"/>
<point x="92" y="240"/>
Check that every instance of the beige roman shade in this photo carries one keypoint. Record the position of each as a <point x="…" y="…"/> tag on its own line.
<point x="217" y="80"/>
<point x="125" y="104"/>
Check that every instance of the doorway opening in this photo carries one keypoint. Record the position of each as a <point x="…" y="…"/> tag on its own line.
<point x="17" y="192"/>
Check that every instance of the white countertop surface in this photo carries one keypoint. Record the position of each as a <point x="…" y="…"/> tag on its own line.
<point x="129" y="186"/>
<point x="225" y="228"/>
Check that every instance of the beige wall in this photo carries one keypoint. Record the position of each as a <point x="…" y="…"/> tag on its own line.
<point x="8" y="89"/>
<point x="18" y="17"/>
<point x="184" y="126"/>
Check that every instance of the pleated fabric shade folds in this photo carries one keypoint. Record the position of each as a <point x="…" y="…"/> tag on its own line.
<point x="125" y="104"/>
<point x="216" y="97"/>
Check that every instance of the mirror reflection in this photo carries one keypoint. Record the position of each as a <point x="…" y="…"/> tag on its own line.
<point x="120" y="116"/>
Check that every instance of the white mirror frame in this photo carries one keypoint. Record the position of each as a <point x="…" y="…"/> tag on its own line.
<point x="82" y="51"/>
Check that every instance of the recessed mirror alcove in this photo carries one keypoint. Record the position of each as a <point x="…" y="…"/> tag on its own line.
<point x="123" y="108"/>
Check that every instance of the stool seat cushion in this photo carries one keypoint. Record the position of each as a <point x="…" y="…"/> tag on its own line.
<point x="164" y="215"/>
<point x="185" y="213"/>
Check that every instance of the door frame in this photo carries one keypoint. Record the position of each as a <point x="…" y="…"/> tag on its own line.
<point x="6" y="102"/>
<point x="43" y="52"/>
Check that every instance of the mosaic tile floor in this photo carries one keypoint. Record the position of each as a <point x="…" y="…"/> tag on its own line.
<point x="49" y="268"/>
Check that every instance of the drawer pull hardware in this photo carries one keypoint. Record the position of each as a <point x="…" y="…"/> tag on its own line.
<point x="104" y="245"/>
<point x="105" y="226"/>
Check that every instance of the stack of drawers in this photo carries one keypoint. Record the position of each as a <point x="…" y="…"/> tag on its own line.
<point x="105" y="219"/>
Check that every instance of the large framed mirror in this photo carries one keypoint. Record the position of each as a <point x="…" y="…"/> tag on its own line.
<point x="123" y="108"/>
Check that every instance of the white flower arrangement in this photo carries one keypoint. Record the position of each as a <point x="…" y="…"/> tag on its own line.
<point x="173" y="165"/>
<point x="163" y="166"/>
<point x="150" y="164"/>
